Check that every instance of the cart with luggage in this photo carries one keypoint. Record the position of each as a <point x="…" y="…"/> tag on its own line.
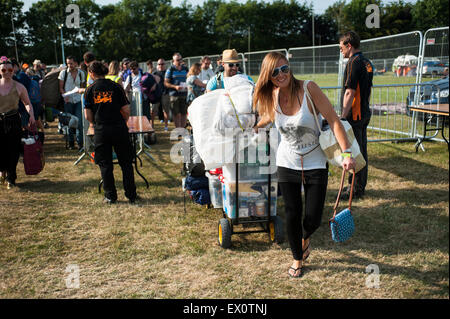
<point x="248" y="198"/>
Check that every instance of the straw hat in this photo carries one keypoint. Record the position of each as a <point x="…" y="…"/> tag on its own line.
<point x="230" y="56"/>
<point x="37" y="62"/>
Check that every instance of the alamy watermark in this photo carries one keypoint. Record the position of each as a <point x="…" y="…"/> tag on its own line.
<point x="373" y="19"/>
<point x="73" y="277"/>
<point x="373" y="279"/>
<point x="73" y="19"/>
<point x="233" y="146"/>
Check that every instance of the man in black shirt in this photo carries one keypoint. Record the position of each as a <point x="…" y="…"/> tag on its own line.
<point x="108" y="109"/>
<point x="355" y="105"/>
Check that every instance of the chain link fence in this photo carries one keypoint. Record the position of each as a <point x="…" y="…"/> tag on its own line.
<point x="253" y="60"/>
<point x="315" y="60"/>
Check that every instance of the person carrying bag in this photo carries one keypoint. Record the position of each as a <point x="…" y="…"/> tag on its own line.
<point x="330" y="145"/>
<point x="301" y="163"/>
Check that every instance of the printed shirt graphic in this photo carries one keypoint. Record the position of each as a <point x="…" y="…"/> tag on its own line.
<point x="299" y="137"/>
<point x="103" y="97"/>
<point x="106" y="98"/>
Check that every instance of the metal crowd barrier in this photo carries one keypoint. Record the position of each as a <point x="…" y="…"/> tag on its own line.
<point x="391" y="118"/>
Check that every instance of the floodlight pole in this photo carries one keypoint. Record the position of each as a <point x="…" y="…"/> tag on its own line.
<point x="15" y="40"/>
<point x="60" y="26"/>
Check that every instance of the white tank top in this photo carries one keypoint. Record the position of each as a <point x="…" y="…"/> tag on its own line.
<point x="299" y="137"/>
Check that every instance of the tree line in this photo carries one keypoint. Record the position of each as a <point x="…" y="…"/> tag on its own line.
<point x="149" y="29"/>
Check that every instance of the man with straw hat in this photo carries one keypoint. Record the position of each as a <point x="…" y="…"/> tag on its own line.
<point x="37" y="69"/>
<point x="231" y="64"/>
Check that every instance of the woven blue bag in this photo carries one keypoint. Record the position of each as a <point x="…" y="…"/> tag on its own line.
<point x="342" y="225"/>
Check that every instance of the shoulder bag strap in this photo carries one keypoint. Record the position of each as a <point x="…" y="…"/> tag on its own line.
<point x="235" y="112"/>
<point x="308" y="96"/>
<point x="65" y="79"/>
<point x="339" y="194"/>
<point x="219" y="81"/>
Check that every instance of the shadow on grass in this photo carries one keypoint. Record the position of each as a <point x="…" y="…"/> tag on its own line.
<point x="59" y="187"/>
<point x="165" y="200"/>
<point x="411" y="169"/>
<point x="432" y="278"/>
<point x="173" y="180"/>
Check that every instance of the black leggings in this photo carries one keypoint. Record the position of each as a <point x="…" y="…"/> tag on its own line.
<point x="315" y="189"/>
<point x="10" y="145"/>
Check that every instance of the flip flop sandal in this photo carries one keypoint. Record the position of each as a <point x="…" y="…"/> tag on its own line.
<point x="299" y="269"/>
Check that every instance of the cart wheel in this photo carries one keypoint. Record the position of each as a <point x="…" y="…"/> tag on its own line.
<point x="276" y="231"/>
<point x="224" y="233"/>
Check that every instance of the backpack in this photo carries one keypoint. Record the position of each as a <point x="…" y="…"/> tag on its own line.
<point x="219" y="80"/>
<point x="22" y="78"/>
<point x="34" y="92"/>
<point x="50" y="90"/>
<point x="150" y="87"/>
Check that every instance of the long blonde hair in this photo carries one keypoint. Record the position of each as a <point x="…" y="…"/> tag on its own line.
<point x="195" y="69"/>
<point x="263" y="98"/>
<point x="113" y="68"/>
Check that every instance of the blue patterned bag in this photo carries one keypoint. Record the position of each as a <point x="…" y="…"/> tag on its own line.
<point x="342" y="225"/>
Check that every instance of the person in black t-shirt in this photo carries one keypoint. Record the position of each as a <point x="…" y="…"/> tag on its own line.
<point x="164" y="105"/>
<point x="355" y="105"/>
<point x="108" y="109"/>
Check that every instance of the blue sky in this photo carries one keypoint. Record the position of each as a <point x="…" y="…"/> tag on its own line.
<point x="319" y="5"/>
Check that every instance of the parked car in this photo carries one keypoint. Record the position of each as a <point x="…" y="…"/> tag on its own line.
<point x="433" y="68"/>
<point x="429" y="94"/>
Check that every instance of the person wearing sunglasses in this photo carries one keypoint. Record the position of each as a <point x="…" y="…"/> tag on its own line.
<point x="11" y="92"/>
<point x="175" y="81"/>
<point x="231" y="65"/>
<point x="164" y="105"/>
<point x="279" y="97"/>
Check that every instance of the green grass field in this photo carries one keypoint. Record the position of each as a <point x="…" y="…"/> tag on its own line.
<point x="156" y="250"/>
<point x="380" y="95"/>
<point x="331" y="79"/>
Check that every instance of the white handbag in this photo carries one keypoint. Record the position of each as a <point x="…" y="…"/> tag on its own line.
<point x="329" y="144"/>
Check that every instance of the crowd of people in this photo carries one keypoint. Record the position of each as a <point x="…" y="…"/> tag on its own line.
<point x="109" y="91"/>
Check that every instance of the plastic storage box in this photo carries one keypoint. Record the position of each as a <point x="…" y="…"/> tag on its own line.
<point x="250" y="167"/>
<point x="253" y="199"/>
<point x="215" y="190"/>
<point x="247" y="172"/>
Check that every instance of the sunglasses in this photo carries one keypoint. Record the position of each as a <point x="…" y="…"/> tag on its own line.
<point x="4" y="70"/>
<point x="161" y="63"/>
<point x="233" y="64"/>
<point x="178" y="60"/>
<point x="284" y="68"/>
